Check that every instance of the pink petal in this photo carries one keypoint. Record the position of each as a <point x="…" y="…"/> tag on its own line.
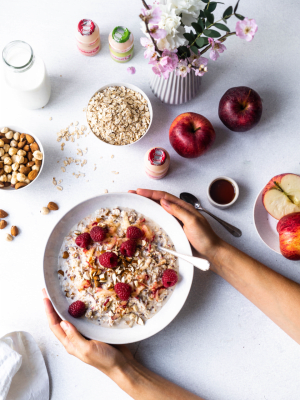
<point x="131" y="70"/>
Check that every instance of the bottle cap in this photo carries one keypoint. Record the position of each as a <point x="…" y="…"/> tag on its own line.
<point x="86" y="27"/>
<point x="157" y="156"/>
<point x="120" y="34"/>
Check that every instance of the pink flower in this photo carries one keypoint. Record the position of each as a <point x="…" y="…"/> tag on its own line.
<point x="157" y="33"/>
<point x="200" y="66"/>
<point x="145" y="42"/>
<point x="246" y="29"/>
<point x="183" y="68"/>
<point x="171" y="58"/>
<point x="216" y="48"/>
<point x="153" y="59"/>
<point x="152" y="15"/>
<point x="131" y="70"/>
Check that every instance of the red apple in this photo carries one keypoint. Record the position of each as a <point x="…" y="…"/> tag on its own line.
<point x="191" y="135"/>
<point x="240" y="109"/>
<point x="289" y="236"/>
<point x="281" y="196"/>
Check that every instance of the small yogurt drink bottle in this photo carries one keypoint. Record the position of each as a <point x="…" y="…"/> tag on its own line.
<point x="121" y="44"/>
<point x="88" y="37"/>
<point x="157" y="163"/>
<point x="26" y="75"/>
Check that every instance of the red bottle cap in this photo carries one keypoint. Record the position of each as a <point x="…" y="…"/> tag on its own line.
<point x="157" y="156"/>
<point x="86" y="27"/>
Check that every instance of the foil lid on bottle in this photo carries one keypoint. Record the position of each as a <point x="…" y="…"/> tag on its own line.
<point x="157" y="156"/>
<point x="86" y="27"/>
<point x="121" y="34"/>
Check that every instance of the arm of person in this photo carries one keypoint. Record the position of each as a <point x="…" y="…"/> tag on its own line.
<point x="117" y="363"/>
<point x="275" y="295"/>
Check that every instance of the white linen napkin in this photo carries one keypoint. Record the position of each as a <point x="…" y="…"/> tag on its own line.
<point x="23" y="374"/>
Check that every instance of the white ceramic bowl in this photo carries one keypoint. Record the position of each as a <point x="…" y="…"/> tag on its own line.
<point x="136" y="89"/>
<point x="265" y="225"/>
<point x="19" y="129"/>
<point x="236" y="190"/>
<point x="151" y="210"/>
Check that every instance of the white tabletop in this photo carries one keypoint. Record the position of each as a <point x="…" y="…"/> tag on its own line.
<point x="220" y="346"/>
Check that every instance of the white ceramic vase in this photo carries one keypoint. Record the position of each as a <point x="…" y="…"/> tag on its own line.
<point x="176" y="90"/>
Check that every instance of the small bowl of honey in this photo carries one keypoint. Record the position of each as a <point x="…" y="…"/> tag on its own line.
<point x="222" y="192"/>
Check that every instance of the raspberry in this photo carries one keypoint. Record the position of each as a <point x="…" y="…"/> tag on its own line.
<point x="77" y="309"/>
<point x="169" y="278"/>
<point x="98" y="234"/>
<point x="133" y="232"/>
<point x="128" y="248"/>
<point x="123" y="290"/>
<point x="108" y="259"/>
<point x="83" y="240"/>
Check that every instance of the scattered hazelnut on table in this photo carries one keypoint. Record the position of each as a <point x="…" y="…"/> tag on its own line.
<point x="45" y="210"/>
<point x="8" y="237"/>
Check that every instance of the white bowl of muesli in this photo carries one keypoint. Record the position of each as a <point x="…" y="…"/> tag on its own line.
<point x="119" y="114"/>
<point x="104" y="272"/>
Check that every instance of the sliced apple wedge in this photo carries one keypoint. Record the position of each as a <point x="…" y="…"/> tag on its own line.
<point x="281" y="196"/>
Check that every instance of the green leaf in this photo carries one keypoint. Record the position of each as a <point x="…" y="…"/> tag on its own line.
<point x="211" y="33"/>
<point x="197" y="27"/>
<point x="210" y="17"/>
<point x="222" y="27"/>
<point x="228" y="12"/>
<point x="207" y="23"/>
<point x="239" y="16"/>
<point x="201" y="15"/>
<point x="205" y="1"/>
<point x="211" y="6"/>
<point x="189" y="36"/>
<point x="201" y="23"/>
<point x="183" y="50"/>
<point x="202" y="41"/>
<point x="194" y="49"/>
<point x="236" y="6"/>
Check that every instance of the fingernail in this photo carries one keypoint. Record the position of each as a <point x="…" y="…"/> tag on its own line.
<point x="165" y="203"/>
<point x="64" y="325"/>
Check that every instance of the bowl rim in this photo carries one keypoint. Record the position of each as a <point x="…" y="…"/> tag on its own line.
<point x="15" y="128"/>
<point x="183" y="298"/>
<point x="129" y="86"/>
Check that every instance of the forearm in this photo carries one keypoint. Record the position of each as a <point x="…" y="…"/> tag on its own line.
<point x="143" y="384"/>
<point x="276" y="296"/>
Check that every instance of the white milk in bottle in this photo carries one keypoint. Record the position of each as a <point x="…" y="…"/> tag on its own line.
<point x="25" y="73"/>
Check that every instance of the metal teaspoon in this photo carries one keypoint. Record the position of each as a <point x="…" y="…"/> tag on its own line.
<point x="191" y="199"/>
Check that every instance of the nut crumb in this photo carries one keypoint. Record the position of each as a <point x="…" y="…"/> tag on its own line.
<point x="50" y="118"/>
<point x="59" y="188"/>
<point x="105" y="191"/>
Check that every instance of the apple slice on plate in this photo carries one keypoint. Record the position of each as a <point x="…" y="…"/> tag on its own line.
<point x="281" y="196"/>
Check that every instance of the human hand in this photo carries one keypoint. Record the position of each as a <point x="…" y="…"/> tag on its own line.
<point x="195" y="226"/>
<point x="106" y="358"/>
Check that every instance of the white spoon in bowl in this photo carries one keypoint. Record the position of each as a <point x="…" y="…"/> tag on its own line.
<point x="198" y="262"/>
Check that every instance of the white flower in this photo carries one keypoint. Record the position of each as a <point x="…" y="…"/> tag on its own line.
<point x="170" y="22"/>
<point x="189" y="9"/>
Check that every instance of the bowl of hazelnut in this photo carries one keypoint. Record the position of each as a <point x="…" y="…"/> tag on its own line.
<point x="21" y="158"/>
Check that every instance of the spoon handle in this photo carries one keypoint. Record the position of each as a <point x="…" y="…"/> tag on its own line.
<point x="230" y="228"/>
<point x="200" y="263"/>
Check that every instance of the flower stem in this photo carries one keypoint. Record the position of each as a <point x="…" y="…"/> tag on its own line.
<point x="144" y="19"/>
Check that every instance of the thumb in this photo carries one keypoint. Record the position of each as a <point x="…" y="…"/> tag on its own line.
<point x="179" y="212"/>
<point x="73" y="336"/>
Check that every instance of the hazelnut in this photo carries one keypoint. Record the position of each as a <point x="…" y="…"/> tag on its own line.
<point x="27" y="181"/>
<point x="38" y="155"/>
<point x="4" y="130"/>
<point x="35" y="168"/>
<point x="20" y="159"/>
<point x="21" y="153"/>
<point x="9" y="135"/>
<point x="9" y="178"/>
<point x="21" y="177"/>
<point x="44" y="211"/>
<point x="6" y="147"/>
<point x="7" y="161"/>
<point x="15" y="166"/>
<point x="7" y="168"/>
<point x="2" y="152"/>
<point x="1" y="143"/>
<point x="16" y="136"/>
<point x="12" y="151"/>
<point x="3" y="178"/>
<point x="13" y="143"/>
<point x="14" y="158"/>
<point x="14" y="180"/>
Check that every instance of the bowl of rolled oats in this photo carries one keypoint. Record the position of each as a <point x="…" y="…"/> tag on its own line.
<point x="104" y="270"/>
<point x="21" y="158"/>
<point x="119" y="114"/>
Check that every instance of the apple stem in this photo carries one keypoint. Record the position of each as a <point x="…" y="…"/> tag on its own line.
<point x="197" y="129"/>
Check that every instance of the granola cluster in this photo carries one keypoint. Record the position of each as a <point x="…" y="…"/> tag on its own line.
<point x="118" y="115"/>
<point x="84" y="278"/>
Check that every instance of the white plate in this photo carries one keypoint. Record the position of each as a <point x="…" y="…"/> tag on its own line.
<point x="151" y="210"/>
<point x="19" y="129"/>
<point x="266" y="225"/>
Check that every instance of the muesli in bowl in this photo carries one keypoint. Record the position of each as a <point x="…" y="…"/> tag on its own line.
<point x="111" y="270"/>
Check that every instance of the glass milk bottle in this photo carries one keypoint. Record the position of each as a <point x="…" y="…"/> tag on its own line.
<point x="25" y="73"/>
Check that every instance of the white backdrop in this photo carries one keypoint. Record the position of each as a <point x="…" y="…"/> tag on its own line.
<point x="220" y="346"/>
